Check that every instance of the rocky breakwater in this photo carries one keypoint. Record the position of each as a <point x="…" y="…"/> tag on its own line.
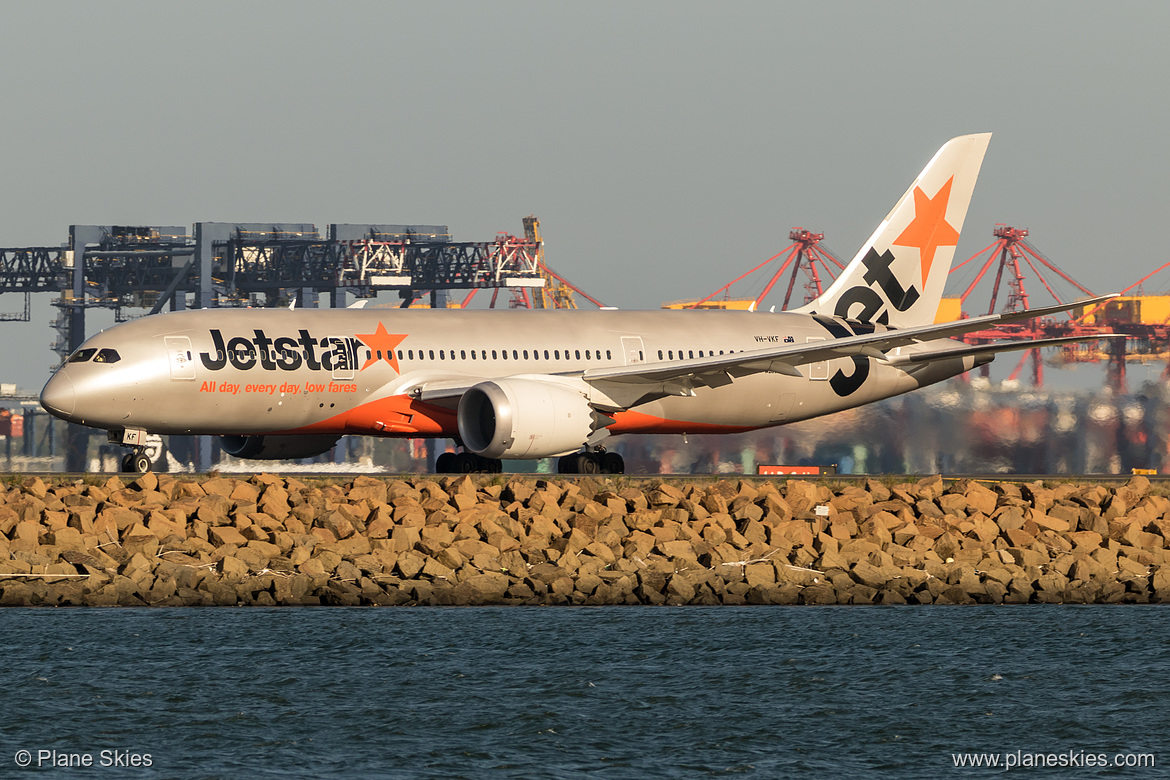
<point x="269" y="541"/>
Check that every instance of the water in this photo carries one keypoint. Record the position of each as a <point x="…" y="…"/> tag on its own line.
<point x="573" y="692"/>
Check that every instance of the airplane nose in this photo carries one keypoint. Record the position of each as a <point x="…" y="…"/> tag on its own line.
<point x="58" y="396"/>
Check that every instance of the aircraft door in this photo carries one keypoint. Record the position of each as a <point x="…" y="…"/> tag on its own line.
<point x="784" y="407"/>
<point x="632" y="350"/>
<point x="181" y="357"/>
<point x="344" y="357"/>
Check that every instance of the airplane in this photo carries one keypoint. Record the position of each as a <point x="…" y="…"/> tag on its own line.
<point x="520" y="384"/>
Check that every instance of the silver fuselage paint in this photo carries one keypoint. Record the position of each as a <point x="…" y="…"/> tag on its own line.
<point x="304" y="379"/>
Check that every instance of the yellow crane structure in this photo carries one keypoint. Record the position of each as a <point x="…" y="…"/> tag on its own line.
<point x="555" y="294"/>
<point x="558" y="292"/>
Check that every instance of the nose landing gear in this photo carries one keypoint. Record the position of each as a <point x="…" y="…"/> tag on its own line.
<point x="136" y="462"/>
<point x="144" y="449"/>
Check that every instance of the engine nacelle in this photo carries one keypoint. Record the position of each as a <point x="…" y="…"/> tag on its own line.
<point x="523" y="418"/>
<point x="276" y="447"/>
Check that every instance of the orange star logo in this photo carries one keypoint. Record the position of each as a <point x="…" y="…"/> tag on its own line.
<point x="929" y="229"/>
<point x="382" y="346"/>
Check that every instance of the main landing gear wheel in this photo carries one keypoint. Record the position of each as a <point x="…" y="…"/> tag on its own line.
<point x="466" y="463"/>
<point x="591" y="463"/>
<point x="612" y="463"/>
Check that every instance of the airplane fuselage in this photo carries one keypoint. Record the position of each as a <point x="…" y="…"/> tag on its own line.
<point x="357" y="371"/>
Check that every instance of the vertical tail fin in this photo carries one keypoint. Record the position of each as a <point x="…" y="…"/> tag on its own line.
<point x="897" y="277"/>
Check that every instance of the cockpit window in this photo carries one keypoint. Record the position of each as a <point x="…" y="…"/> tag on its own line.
<point x="81" y="355"/>
<point x="107" y="356"/>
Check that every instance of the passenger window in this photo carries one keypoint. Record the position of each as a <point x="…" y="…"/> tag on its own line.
<point x="557" y="354"/>
<point x="473" y="354"/>
<point x="607" y="355"/>
<point x="504" y="354"/>
<point x="670" y="354"/>
<point x="441" y="355"/>
<point x="493" y="354"/>
<point x="81" y="355"/>
<point x="410" y="354"/>
<point x="691" y="354"/>
<point x="577" y="353"/>
<point x="400" y="354"/>
<point x="107" y="356"/>
<point x="483" y="354"/>
<point x="515" y="355"/>
<point x="431" y="352"/>
<point x="587" y="354"/>
<point x="546" y="354"/>
<point x="525" y="354"/>
<point x="659" y="354"/>
<point x="463" y="354"/>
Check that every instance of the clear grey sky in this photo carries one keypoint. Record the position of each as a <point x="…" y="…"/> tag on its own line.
<point x="666" y="146"/>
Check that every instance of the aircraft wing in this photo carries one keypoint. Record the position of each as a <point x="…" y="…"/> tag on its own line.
<point x="440" y="389"/>
<point x="442" y="393"/>
<point x="719" y="370"/>
<point x="994" y="348"/>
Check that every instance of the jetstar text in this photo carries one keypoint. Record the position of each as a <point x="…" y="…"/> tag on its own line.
<point x="331" y="353"/>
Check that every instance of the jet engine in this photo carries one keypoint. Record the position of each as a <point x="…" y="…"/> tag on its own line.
<point x="276" y="447"/>
<point x="524" y="418"/>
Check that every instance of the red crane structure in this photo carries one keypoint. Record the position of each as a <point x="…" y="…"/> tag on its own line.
<point x="1011" y="253"/>
<point x="804" y="254"/>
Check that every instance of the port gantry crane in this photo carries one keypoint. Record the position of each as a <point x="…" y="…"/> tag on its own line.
<point x="805" y="253"/>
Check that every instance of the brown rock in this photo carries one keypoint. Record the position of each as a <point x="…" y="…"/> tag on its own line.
<point x="870" y="575"/>
<point x="368" y="489"/>
<point x="1049" y="522"/>
<point x="218" y="486"/>
<point x="231" y="566"/>
<point x="818" y="594"/>
<point x="759" y="575"/>
<point x="678" y="550"/>
<point x="329" y="559"/>
<point x="1138" y="486"/>
<point x="140" y="540"/>
<point x="410" y="564"/>
<point x="679" y="590"/>
<point x="1160" y="581"/>
<point x="221" y="535"/>
<point x="213" y="509"/>
<point x="381" y="523"/>
<point x="314" y="567"/>
<point x="1017" y="537"/>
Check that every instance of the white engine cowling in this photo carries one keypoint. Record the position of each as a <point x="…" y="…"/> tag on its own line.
<point x="276" y="447"/>
<point x="523" y="418"/>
